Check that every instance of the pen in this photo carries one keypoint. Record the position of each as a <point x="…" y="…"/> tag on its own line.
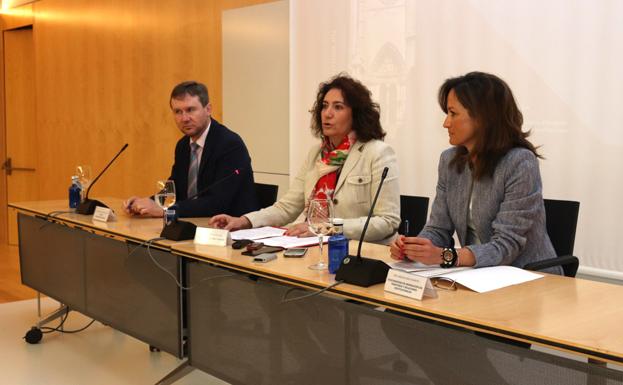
<point x="405" y="228"/>
<point x="405" y="232"/>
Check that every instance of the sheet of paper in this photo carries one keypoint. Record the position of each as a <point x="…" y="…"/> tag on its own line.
<point x="409" y="266"/>
<point x="439" y="271"/>
<point x="422" y="269"/>
<point x="486" y="279"/>
<point x="258" y="233"/>
<point x="288" y="242"/>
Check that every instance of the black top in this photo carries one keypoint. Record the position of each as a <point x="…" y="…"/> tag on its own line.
<point x="223" y="153"/>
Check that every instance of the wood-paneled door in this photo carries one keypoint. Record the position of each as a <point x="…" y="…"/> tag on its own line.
<point x="20" y="163"/>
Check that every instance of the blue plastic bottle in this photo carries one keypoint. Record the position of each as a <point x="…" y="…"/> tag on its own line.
<point x="170" y="215"/>
<point x="74" y="192"/>
<point x="338" y="246"/>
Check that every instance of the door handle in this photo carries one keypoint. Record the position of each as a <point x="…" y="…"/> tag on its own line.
<point x="8" y="166"/>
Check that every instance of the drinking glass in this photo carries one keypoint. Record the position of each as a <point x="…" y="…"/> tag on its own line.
<point x="83" y="172"/>
<point x="319" y="219"/>
<point x="165" y="197"/>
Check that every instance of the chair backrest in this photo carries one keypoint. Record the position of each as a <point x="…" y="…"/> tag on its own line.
<point x="415" y="209"/>
<point x="266" y="194"/>
<point x="561" y="220"/>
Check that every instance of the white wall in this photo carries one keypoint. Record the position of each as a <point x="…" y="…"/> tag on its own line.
<point x="562" y="58"/>
<point x="256" y="88"/>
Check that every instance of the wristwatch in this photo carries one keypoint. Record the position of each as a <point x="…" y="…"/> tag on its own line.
<point x="448" y="257"/>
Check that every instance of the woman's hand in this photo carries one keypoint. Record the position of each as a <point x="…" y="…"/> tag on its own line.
<point x="421" y="250"/>
<point x="227" y="222"/>
<point x="395" y="249"/>
<point x="300" y="230"/>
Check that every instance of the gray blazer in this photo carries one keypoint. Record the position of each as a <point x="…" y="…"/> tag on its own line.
<point x="507" y="210"/>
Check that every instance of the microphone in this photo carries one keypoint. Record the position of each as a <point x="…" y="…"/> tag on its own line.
<point x="358" y="270"/>
<point x="178" y="230"/>
<point x="87" y="206"/>
<point x="205" y="190"/>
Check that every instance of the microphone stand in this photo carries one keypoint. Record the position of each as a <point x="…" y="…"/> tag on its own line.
<point x="358" y="270"/>
<point x="87" y="206"/>
<point x="178" y="230"/>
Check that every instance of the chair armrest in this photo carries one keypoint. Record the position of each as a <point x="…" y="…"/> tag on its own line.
<point x="569" y="264"/>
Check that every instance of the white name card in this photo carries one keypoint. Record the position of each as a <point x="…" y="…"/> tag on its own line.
<point x="212" y="237"/>
<point x="409" y="285"/>
<point x="103" y="214"/>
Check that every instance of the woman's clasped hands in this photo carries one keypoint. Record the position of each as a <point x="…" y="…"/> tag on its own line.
<point x="415" y="249"/>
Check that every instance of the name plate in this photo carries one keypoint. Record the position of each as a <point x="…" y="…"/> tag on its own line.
<point x="103" y="214"/>
<point x="409" y="285"/>
<point x="212" y="237"/>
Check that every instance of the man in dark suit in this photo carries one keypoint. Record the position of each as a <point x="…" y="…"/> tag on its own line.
<point x="209" y="153"/>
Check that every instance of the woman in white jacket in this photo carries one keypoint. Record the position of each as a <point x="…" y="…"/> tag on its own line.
<point x="345" y="167"/>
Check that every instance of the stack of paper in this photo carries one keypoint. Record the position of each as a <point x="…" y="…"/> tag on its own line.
<point x="481" y="280"/>
<point x="288" y="242"/>
<point x="273" y="236"/>
<point x="258" y="233"/>
<point x="422" y="269"/>
<point x="491" y="278"/>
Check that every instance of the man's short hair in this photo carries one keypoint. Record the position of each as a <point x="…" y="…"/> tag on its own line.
<point x="191" y="88"/>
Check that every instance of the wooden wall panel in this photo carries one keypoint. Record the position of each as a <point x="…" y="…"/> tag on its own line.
<point x="4" y="212"/>
<point x="104" y="71"/>
<point x="20" y="127"/>
<point x="10" y="19"/>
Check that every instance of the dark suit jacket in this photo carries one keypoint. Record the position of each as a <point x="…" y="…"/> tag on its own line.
<point x="223" y="153"/>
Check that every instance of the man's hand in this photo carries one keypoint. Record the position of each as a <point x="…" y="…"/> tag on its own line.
<point x="127" y="205"/>
<point x="143" y="207"/>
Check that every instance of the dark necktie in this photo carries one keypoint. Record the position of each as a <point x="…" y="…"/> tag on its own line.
<point x="193" y="169"/>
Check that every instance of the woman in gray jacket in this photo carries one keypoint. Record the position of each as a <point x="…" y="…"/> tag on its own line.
<point x="489" y="185"/>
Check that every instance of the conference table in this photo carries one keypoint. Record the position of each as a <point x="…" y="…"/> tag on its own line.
<point x="265" y="323"/>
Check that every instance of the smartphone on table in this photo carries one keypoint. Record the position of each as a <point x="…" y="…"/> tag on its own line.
<point x="296" y="252"/>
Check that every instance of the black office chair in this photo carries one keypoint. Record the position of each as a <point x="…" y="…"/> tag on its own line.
<point x="266" y="194"/>
<point x="415" y="209"/>
<point x="561" y="221"/>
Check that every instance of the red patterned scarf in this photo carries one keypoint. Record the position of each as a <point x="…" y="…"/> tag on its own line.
<point x="330" y="164"/>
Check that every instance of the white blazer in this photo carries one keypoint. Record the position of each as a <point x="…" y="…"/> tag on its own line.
<point x="354" y="192"/>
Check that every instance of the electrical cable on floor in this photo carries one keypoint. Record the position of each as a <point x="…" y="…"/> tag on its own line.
<point x="285" y="295"/>
<point x="46" y="329"/>
<point x="78" y="330"/>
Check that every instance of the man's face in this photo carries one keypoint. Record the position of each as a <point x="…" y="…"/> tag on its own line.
<point x="190" y="116"/>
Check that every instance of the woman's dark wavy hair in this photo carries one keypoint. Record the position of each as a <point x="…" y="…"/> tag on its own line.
<point x="490" y="102"/>
<point x="366" y="113"/>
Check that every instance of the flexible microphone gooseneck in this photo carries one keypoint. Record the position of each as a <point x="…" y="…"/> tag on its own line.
<point x="210" y="187"/>
<point x="358" y="270"/>
<point x="376" y="197"/>
<point x="87" y="206"/>
<point x="181" y="230"/>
